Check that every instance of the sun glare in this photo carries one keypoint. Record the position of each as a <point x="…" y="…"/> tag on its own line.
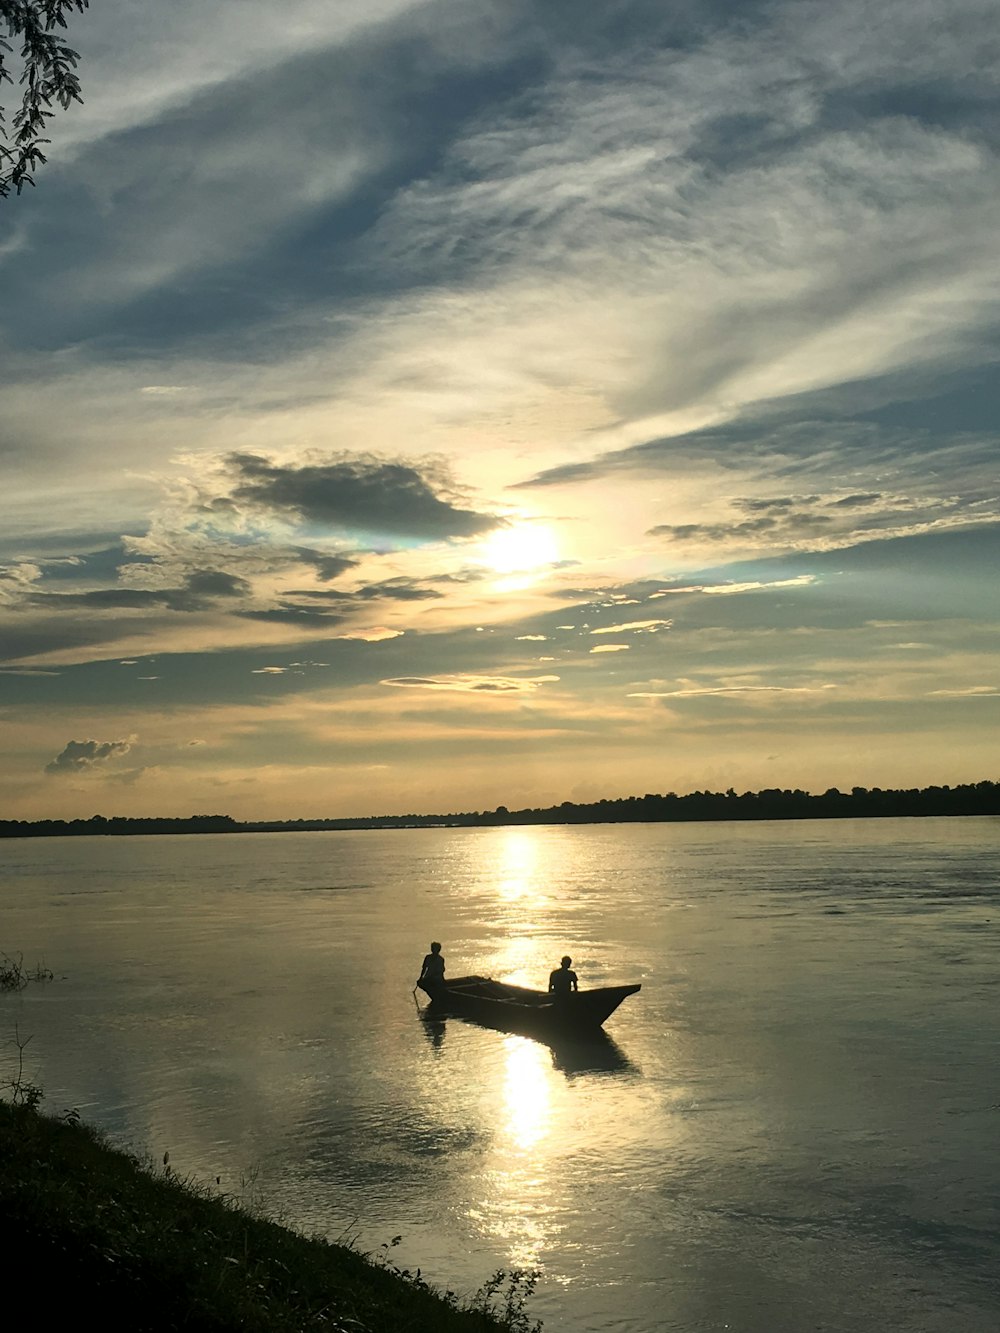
<point x="526" y="1093"/>
<point x="520" y="548"/>
<point x="517" y="870"/>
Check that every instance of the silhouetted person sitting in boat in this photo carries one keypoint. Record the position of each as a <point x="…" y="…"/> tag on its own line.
<point x="562" y="981"/>
<point x="431" y="976"/>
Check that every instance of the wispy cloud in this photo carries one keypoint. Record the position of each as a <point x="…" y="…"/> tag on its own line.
<point x="732" y="588"/>
<point x="970" y="692"/>
<point x="636" y="626"/>
<point x="464" y="684"/>
<point x="691" y="693"/>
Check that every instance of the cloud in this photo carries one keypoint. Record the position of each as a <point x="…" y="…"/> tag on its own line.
<point x="299" y="668"/>
<point x="17" y="580"/>
<point x="741" y="201"/>
<point x="371" y="634"/>
<point x="83" y="756"/>
<point x="649" y="626"/>
<point x="398" y="589"/>
<point x="733" y="481"/>
<point x="327" y="566"/>
<point x="815" y="522"/>
<point x="201" y="588"/>
<point x="703" y="284"/>
<point x="289" y="614"/>
<point x="216" y="583"/>
<point x="728" y="689"/>
<point x="972" y="692"/>
<point x="470" y="684"/>
<point x="857" y="501"/>
<point x="732" y="588"/>
<point x="171" y="62"/>
<point x="371" y="496"/>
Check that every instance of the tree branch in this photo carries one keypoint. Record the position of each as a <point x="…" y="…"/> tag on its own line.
<point x="48" y="76"/>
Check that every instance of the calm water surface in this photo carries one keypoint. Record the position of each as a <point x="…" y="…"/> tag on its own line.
<point x="794" y="1129"/>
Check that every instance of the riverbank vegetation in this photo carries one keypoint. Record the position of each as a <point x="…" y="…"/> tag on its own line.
<point x="15" y="976"/>
<point x="91" y="1233"/>
<point x="970" y="798"/>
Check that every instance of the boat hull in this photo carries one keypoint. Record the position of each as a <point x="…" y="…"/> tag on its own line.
<point x="499" y="1004"/>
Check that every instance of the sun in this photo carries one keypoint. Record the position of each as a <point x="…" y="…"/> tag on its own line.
<point x="522" y="547"/>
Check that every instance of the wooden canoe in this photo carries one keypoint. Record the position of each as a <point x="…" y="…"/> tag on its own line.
<point x="500" y="1004"/>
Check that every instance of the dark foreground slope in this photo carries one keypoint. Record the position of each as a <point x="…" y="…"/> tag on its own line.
<point x="89" y="1233"/>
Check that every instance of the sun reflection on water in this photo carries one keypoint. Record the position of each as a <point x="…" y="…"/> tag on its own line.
<point x="517" y="1206"/>
<point x="526" y="1092"/>
<point x="518" y="869"/>
<point x="521" y="902"/>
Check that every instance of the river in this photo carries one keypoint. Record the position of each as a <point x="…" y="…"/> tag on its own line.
<point x="793" y="1129"/>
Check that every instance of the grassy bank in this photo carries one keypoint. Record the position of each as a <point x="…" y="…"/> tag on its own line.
<point x="103" y="1235"/>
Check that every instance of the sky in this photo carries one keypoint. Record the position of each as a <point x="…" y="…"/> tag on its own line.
<point x="423" y="407"/>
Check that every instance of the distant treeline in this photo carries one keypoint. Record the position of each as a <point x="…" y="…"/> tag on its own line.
<point x="54" y="828"/>
<point x="976" y="798"/>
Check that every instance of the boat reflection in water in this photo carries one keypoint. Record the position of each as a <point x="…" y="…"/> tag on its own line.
<point x="434" y="1028"/>
<point x="592" y="1052"/>
<point x="596" y="1054"/>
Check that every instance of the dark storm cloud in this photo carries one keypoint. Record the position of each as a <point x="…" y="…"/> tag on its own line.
<point x="839" y="521"/>
<point x="81" y="756"/>
<point x="886" y="423"/>
<point x="783" y="518"/>
<point x="745" y="440"/>
<point x="201" y="588"/>
<point x="309" y="617"/>
<point x="780" y="503"/>
<point x="321" y="594"/>
<point x="358" y="495"/>
<point x="121" y="599"/>
<point x="216" y="583"/>
<point x="328" y="567"/>
<point x="90" y="636"/>
<point x="856" y="501"/>
<point x="396" y="589"/>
